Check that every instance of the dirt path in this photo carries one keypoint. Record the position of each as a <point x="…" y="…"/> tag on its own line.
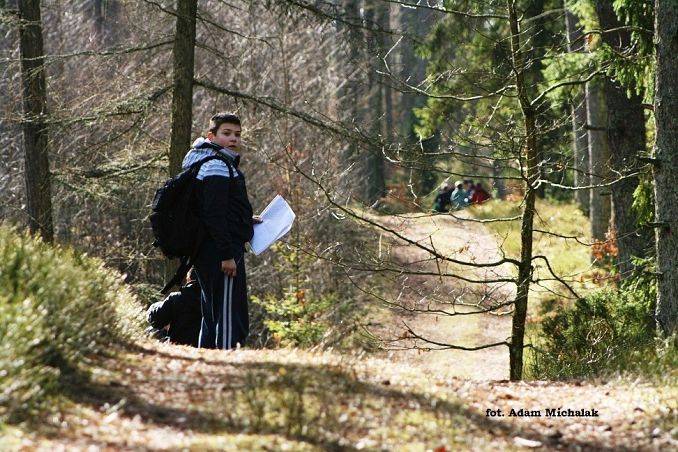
<point x="153" y="396"/>
<point x="464" y="241"/>
<point x="164" y="397"/>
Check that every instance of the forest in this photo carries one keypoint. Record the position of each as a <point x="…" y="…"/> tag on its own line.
<point x="482" y="255"/>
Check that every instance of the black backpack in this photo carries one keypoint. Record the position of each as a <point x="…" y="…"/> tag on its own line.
<point x="176" y="226"/>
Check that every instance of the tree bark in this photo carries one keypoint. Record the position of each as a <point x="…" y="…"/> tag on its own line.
<point x="575" y="43"/>
<point x="531" y="157"/>
<point x="599" y="157"/>
<point x="374" y="183"/>
<point x="182" y="94"/>
<point x="416" y="22"/>
<point x="349" y="91"/>
<point x="626" y="138"/>
<point x="537" y="37"/>
<point x="666" y="167"/>
<point x="499" y="184"/>
<point x="104" y="26"/>
<point x="36" y="143"/>
<point x="386" y="43"/>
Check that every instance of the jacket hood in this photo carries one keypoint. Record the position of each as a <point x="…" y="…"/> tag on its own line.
<point x="204" y="146"/>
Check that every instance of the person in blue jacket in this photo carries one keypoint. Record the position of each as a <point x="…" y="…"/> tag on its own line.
<point x="459" y="197"/>
<point x="226" y="213"/>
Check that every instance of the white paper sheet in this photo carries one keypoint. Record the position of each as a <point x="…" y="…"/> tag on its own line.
<point x="278" y="219"/>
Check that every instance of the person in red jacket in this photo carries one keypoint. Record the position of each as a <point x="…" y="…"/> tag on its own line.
<point x="480" y="195"/>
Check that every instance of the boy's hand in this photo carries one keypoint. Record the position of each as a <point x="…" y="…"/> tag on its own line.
<point x="256" y="219"/>
<point x="229" y="267"/>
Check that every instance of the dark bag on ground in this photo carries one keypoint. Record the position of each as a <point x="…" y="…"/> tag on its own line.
<point x="177" y="229"/>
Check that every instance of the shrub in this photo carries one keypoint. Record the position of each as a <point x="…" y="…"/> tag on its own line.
<point x="296" y="320"/>
<point x="607" y="332"/>
<point x="58" y="309"/>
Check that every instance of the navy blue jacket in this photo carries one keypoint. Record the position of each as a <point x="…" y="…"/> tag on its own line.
<point x="224" y="207"/>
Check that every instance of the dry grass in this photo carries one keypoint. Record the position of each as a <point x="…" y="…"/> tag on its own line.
<point x="569" y="258"/>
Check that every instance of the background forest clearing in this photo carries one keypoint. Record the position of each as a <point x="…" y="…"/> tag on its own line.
<point x="570" y="258"/>
<point x="475" y="242"/>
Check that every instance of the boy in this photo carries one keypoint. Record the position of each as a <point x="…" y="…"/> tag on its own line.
<point x="226" y="214"/>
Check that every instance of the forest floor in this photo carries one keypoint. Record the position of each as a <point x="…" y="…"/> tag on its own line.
<point x="159" y="396"/>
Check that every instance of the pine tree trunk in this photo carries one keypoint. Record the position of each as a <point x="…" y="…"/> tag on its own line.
<point x="36" y="144"/>
<point x="416" y="22"/>
<point x="531" y="158"/>
<point x="626" y="138"/>
<point x="666" y="167"/>
<point x="499" y="184"/>
<point x="535" y="36"/>
<point x="580" y="144"/>
<point x="98" y="8"/>
<point x="599" y="157"/>
<point x="386" y="43"/>
<point x="182" y="94"/>
<point x="349" y="90"/>
<point x="103" y="14"/>
<point x="375" y="185"/>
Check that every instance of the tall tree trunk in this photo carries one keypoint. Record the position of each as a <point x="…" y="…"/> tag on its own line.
<point x="103" y="15"/>
<point x="349" y="92"/>
<point x="599" y="160"/>
<point x="389" y="120"/>
<point x="36" y="144"/>
<point x="416" y="22"/>
<point x="98" y="14"/>
<point x="538" y="39"/>
<point x="386" y="43"/>
<point x="182" y="95"/>
<point x="666" y="166"/>
<point x="531" y="160"/>
<point x="499" y="183"/>
<point x="626" y="138"/>
<point x="580" y="144"/>
<point x="375" y="185"/>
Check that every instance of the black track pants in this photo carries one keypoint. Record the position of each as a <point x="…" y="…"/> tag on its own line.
<point x="225" y="320"/>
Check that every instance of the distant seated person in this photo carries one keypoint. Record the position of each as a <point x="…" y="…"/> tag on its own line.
<point x="469" y="186"/>
<point x="442" y="202"/>
<point x="480" y="195"/>
<point x="177" y="318"/>
<point x="459" y="197"/>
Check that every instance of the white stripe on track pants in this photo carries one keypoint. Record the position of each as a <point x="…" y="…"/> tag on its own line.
<point x="225" y="319"/>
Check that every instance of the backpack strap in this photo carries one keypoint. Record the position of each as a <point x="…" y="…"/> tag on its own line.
<point x="194" y="168"/>
<point x="185" y="263"/>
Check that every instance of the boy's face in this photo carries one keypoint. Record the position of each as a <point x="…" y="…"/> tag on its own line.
<point x="227" y="135"/>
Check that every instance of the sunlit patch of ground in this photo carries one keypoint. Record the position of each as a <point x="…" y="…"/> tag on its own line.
<point x="169" y="397"/>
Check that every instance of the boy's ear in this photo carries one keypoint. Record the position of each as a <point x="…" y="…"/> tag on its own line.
<point x="210" y="135"/>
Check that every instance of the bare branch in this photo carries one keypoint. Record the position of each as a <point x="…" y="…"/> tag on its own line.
<point x="444" y="346"/>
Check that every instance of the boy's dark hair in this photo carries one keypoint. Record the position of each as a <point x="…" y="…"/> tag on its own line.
<point x="223" y="118"/>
